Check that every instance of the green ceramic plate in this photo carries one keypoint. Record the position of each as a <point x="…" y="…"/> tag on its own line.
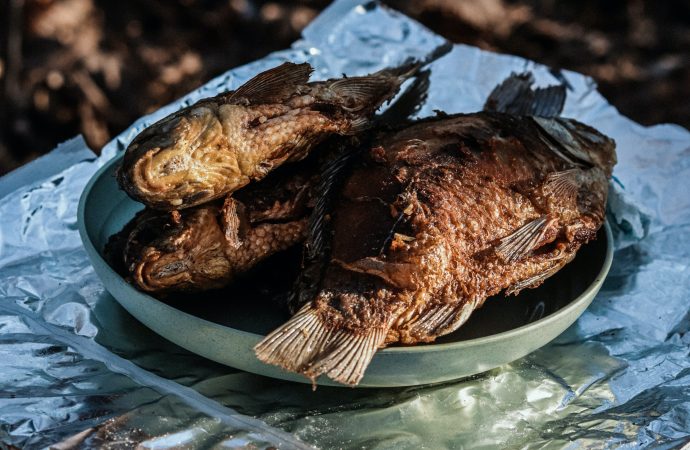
<point x="224" y="326"/>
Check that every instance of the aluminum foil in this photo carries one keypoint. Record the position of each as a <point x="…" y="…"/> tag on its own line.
<point x="76" y="371"/>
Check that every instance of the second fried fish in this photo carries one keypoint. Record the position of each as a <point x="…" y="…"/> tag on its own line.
<point x="220" y="144"/>
<point x="434" y="218"/>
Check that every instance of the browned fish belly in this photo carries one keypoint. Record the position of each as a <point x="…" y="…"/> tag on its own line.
<point x="432" y="220"/>
<point x="219" y="144"/>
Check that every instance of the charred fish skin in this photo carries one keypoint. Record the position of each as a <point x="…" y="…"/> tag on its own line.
<point x="218" y="145"/>
<point x="435" y="218"/>
<point x="207" y="246"/>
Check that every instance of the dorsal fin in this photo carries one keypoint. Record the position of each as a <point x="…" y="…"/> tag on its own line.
<point x="317" y="245"/>
<point x="522" y="241"/>
<point x="365" y="93"/>
<point x="516" y="96"/>
<point x="274" y="84"/>
<point x="332" y="174"/>
<point x="361" y="88"/>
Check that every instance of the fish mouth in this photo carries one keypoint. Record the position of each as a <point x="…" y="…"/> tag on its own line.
<point x="155" y="262"/>
<point x="147" y="233"/>
<point x="135" y="173"/>
<point x="159" y="274"/>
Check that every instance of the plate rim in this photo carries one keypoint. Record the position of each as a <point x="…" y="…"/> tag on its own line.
<point x="587" y="295"/>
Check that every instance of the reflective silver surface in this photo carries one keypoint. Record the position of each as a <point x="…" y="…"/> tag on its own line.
<point x="76" y="368"/>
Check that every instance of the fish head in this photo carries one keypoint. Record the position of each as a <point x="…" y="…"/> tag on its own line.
<point x="180" y="161"/>
<point x="186" y="254"/>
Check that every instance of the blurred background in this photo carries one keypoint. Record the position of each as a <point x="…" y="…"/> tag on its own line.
<point x="94" y="66"/>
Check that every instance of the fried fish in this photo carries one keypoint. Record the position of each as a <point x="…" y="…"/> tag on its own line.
<point x="432" y="219"/>
<point x="216" y="146"/>
<point x="207" y="246"/>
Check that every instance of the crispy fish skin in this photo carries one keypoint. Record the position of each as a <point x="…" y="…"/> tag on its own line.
<point x="434" y="219"/>
<point x="219" y="144"/>
<point x="207" y="246"/>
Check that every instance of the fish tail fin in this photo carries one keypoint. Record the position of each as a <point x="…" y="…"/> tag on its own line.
<point x="406" y="70"/>
<point x="516" y="96"/>
<point x="367" y="93"/>
<point x="310" y="345"/>
<point x="409" y="102"/>
<point x="350" y="353"/>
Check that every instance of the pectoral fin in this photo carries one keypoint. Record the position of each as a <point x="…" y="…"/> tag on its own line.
<point x="520" y="243"/>
<point x="562" y="184"/>
<point x="396" y="274"/>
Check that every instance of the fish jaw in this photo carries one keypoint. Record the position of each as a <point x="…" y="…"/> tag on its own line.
<point x="181" y="161"/>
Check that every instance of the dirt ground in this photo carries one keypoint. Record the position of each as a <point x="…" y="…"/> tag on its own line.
<point x="94" y="66"/>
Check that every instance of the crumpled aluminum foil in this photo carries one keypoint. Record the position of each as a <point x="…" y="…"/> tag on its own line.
<point x="76" y="371"/>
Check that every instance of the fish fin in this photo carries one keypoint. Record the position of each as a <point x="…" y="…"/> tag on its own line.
<point x="562" y="183"/>
<point x="317" y="243"/>
<point x="516" y="96"/>
<point x="331" y="174"/>
<point x="561" y="139"/>
<point x="409" y="102"/>
<point x="233" y="220"/>
<point x="308" y="345"/>
<point x="347" y="356"/>
<point x="365" y="93"/>
<point x="294" y="344"/>
<point x="358" y="125"/>
<point x="399" y="275"/>
<point x="548" y="101"/>
<point x="536" y="280"/>
<point x="438" y="320"/>
<point x="411" y="66"/>
<point x="522" y="241"/>
<point x="274" y="84"/>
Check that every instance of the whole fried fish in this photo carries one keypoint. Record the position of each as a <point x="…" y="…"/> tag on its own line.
<point x="220" y="144"/>
<point x="207" y="246"/>
<point x="434" y="218"/>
